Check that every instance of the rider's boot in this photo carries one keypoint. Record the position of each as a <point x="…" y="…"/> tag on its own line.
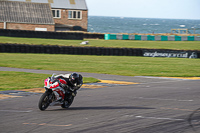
<point x="74" y="93"/>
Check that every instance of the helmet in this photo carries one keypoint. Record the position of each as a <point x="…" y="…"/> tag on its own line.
<point x="74" y="78"/>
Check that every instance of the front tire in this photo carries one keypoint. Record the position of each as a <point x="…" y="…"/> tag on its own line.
<point x="44" y="102"/>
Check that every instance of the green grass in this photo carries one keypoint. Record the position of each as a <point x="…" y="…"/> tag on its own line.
<point x="22" y="80"/>
<point x="39" y="41"/>
<point x="117" y="65"/>
<point x="178" y="45"/>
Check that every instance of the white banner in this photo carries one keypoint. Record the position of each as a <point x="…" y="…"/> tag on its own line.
<point x="170" y="54"/>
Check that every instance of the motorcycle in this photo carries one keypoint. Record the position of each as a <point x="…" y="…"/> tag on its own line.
<point x="55" y="94"/>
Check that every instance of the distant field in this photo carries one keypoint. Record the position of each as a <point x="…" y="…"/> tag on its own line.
<point x="177" y="45"/>
<point x="116" y="65"/>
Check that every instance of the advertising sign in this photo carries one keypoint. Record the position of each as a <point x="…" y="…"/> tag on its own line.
<point x="169" y="54"/>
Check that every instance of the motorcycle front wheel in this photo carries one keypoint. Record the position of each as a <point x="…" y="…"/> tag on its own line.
<point x="44" y="102"/>
<point x="67" y="103"/>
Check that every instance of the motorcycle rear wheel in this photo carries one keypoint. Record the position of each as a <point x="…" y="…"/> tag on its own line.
<point x="67" y="103"/>
<point x="44" y="102"/>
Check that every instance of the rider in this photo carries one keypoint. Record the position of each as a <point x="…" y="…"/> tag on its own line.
<point x="74" y="81"/>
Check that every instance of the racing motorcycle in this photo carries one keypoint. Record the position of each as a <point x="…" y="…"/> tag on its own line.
<point x="55" y="94"/>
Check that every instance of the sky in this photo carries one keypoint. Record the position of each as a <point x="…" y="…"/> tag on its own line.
<point x="172" y="9"/>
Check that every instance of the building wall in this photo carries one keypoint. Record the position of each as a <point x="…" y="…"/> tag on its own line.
<point x="63" y="20"/>
<point x="75" y="22"/>
<point x="21" y="26"/>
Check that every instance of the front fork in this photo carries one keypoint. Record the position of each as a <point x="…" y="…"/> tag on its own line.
<point x="50" y="95"/>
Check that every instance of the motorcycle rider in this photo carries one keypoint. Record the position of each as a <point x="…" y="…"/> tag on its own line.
<point x="74" y="81"/>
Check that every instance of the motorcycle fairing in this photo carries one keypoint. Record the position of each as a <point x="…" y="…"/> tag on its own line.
<point x="54" y="85"/>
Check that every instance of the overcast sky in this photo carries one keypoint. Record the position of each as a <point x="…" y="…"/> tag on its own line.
<point x="175" y="9"/>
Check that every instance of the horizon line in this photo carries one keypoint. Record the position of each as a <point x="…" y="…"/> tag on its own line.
<point x="143" y="17"/>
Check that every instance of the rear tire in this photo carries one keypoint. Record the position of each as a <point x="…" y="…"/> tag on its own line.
<point x="67" y="103"/>
<point x="44" y="102"/>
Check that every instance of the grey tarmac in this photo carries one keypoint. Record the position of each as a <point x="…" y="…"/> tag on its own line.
<point x="155" y="105"/>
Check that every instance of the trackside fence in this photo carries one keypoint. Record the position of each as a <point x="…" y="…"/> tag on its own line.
<point x="50" y="35"/>
<point x="42" y="34"/>
<point x="150" y="37"/>
<point x="54" y="49"/>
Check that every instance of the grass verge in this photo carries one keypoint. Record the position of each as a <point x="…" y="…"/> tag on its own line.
<point x="22" y="80"/>
<point x="116" y="65"/>
<point x="176" y="45"/>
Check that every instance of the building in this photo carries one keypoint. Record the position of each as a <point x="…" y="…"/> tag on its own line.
<point x="67" y="14"/>
<point x="26" y="16"/>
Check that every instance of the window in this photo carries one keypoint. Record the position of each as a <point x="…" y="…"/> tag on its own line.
<point x="70" y="14"/>
<point x="75" y="14"/>
<point x="56" y="13"/>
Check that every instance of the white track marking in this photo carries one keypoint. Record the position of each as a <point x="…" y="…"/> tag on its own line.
<point x="16" y="111"/>
<point x="155" y="118"/>
<point x="160" y="99"/>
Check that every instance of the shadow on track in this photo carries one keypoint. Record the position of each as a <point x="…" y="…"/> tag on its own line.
<point x="194" y="120"/>
<point x="102" y="108"/>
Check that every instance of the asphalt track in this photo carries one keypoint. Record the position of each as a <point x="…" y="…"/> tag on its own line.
<point x="154" y="105"/>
